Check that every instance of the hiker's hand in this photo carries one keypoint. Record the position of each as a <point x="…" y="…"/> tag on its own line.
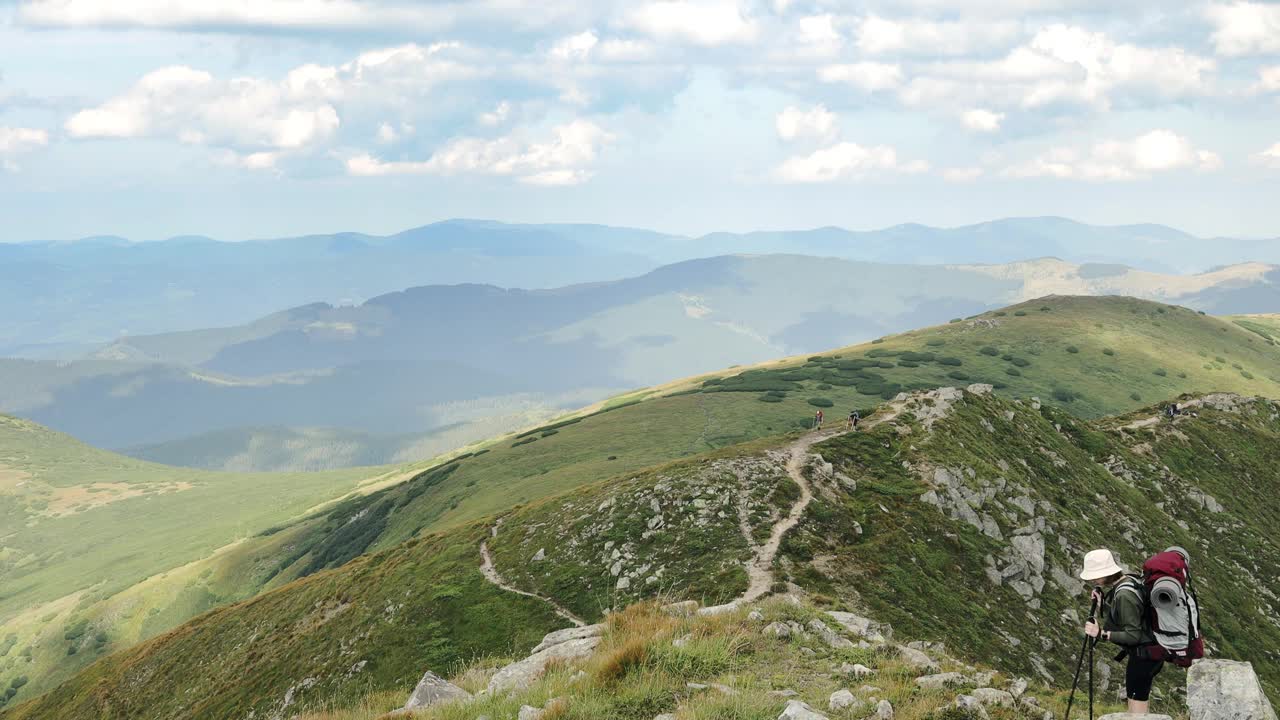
<point x="1096" y="596"/>
<point x="1091" y="629"/>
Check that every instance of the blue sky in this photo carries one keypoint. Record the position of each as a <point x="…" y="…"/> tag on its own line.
<point x="258" y="118"/>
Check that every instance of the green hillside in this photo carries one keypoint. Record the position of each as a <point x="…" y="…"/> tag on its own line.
<point x="1119" y="345"/>
<point x="80" y="525"/>
<point x="958" y="517"/>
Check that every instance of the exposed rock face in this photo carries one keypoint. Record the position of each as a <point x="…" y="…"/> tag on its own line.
<point x="1226" y="690"/>
<point x="862" y="627"/>
<point x="568" y="644"/>
<point x="435" y="690"/>
<point x="797" y="710"/>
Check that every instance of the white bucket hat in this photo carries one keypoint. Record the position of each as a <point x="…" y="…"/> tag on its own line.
<point x="1099" y="564"/>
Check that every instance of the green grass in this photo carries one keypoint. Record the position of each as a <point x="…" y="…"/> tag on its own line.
<point x="80" y="525"/>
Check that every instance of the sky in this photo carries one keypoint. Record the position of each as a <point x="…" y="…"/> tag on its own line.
<point x="241" y="119"/>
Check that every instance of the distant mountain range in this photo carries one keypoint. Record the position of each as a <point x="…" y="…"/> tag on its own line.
<point x="378" y="377"/>
<point x="60" y="297"/>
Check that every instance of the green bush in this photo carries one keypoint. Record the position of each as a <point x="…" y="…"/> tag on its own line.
<point x="826" y="386"/>
<point x="990" y="351"/>
<point x="525" y="441"/>
<point x="1219" y="358"/>
<point x="1135" y="397"/>
<point x="549" y="433"/>
<point x="1237" y="366"/>
<point x="999" y="313"/>
<point x="958" y="375"/>
<point x="1246" y="374"/>
<point x="1064" y="395"/>
<point x="1013" y="371"/>
<point x="18" y="681"/>
<point x="877" y="341"/>
<point x="920" y="357"/>
<point x="999" y="385"/>
<point x="1182" y="375"/>
<point x="936" y="342"/>
<point x="1161" y="372"/>
<point x="769" y="398"/>
<point x="1020" y="313"/>
<point x="1021" y="362"/>
<point x="952" y="361"/>
<point x="905" y="364"/>
<point x="820" y="402"/>
<point x="1045" y="308"/>
<point x="1073" y="349"/>
<point x="1108" y="351"/>
<point x="956" y="320"/>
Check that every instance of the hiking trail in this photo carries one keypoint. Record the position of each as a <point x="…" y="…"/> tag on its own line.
<point x="490" y="572"/>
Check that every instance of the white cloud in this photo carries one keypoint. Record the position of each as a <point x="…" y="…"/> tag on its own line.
<point x="841" y="161"/>
<point x="868" y="76"/>
<point x="564" y="159"/>
<point x="817" y="123"/>
<point x="878" y="35"/>
<point x="194" y="107"/>
<point x="818" y="36"/>
<point x="575" y="47"/>
<point x="497" y="116"/>
<point x="962" y="174"/>
<point x="708" y="23"/>
<point x="1062" y="65"/>
<point x="1153" y="152"/>
<point x="1268" y="79"/>
<point x="337" y="15"/>
<point x="982" y="120"/>
<point x="1270" y="157"/>
<point x="17" y="141"/>
<point x="1245" y="28"/>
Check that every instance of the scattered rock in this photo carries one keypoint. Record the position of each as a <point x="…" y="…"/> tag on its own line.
<point x="519" y="675"/>
<point x="434" y="690"/>
<point x="567" y="634"/>
<point x="718" y="609"/>
<point x="842" y="699"/>
<point x="1226" y="690"/>
<point x="1018" y="687"/>
<point x="777" y="629"/>
<point x="884" y="711"/>
<point x="857" y="670"/>
<point x="797" y="710"/>
<point x="970" y="704"/>
<point x="916" y="658"/>
<point x="940" y="680"/>
<point x="991" y="696"/>
<point x="688" y="607"/>
<point x="540" y="555"/>
<point x="862" y="627"/>
<point x="829" y="636"/>
<point x="528" y="712"/>
<point x="755" y="616"/>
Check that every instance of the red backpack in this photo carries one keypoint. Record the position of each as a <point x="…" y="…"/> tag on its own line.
<point x="1172" y="610"/>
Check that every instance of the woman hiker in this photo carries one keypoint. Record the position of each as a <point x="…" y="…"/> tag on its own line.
<point x="1122" y="610"/>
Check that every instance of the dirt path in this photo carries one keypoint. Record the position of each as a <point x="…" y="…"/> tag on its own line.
<point x="760" y="571"/>
<point x="490" y="573"/>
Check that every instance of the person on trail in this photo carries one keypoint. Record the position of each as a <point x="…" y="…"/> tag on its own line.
<point x="1122" y="609"/>
<point x="853" y="419"/>
<point x="817" y="420"/>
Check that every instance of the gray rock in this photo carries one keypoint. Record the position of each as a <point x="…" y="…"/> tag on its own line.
<point x="1018" y="687"/>
<point x="940" y="680"/>
<point x="857" y="670"/>
<point x="829" y="636"/>
<point x="971" y="704"/>
<point x="519" y="675"/>
<point x="434" y="690"/>
<point x="916" y="658"/>
<point x="528" y="712"/>
<point x="567" y="634"/>
<point x="884" y="711"/>
<point x="665" y="716"/>
<point x="1226" y="690"/>
<point x="777" y="629"/>
<point x="797" y="710"/>
<point x="862" y="627"/>
<point x="681" y="608"/>
<point x="755" y="616"/>
<point x="991" y="696"/>
<point x="842" y="699"/>
<point x="718" y="609"/>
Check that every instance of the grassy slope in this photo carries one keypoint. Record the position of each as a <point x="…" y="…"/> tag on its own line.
<point x="912" y="565"/>
<point x="79" y="525"/>
<point x="684" y="418"/>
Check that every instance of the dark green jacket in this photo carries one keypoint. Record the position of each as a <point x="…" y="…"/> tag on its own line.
<point x="1124" y="613"/>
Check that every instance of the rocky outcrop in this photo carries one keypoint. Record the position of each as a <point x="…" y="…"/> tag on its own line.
<point x="569" y="644"/>
<point x="865" y="628"/>
<point x="434" y="690"/>
<point x="1226" y="690"/>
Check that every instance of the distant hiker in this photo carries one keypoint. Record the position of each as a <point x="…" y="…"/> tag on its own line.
<point x="1172" y="410"/>
<point x="853" y="419"/>
<point x="1122" y="608"/>
<point x="817" y="420"/>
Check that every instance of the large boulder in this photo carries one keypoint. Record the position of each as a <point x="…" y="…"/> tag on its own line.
<point x="519" y="675"/>
<point x="797" y="710"/>
<point x="1226" y="690"/>
<point x="435" y="690"/>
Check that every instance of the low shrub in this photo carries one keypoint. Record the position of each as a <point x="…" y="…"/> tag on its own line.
<point x="958" y="375"/>
<point x="907" y="364"/>
<point x="821" y="402"/>
<point x="1021" y="362"/>
<point x="1135" y="397"/>
<point x="1013" y="371"/>
<point x="525" y="441"/>
<point x="1064" y="395"/>
<point x="769" y="398"/>
<point x="1161" y="372"/>
<point x="936" y="342"/>
<point x="989" y="351"/>
<point x="1108" y="352"/>
<point x="1073" y="349"/>
<point x="952" y="361"/>
<point x="1020" y="313"/>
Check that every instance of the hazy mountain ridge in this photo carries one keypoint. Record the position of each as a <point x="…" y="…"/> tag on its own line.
<point x="98" y="289"/>
<point x="396" y="364"/>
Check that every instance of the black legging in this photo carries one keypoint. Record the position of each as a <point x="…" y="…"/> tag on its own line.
<point x="1139" y="674"/>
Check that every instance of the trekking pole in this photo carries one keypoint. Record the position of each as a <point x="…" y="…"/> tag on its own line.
<point x="1093" y="643"/>
<point x="1079" y="665"/>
